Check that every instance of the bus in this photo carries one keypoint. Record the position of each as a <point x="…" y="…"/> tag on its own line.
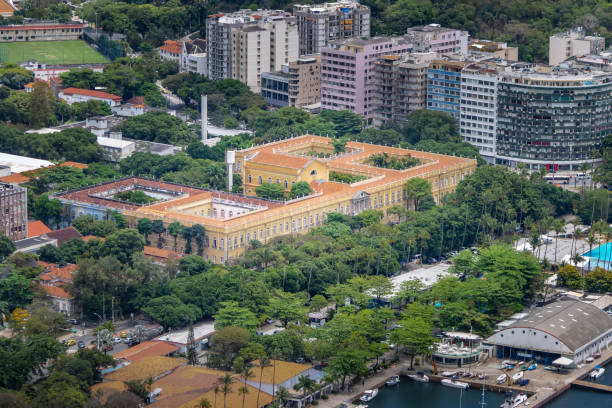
<point x="557" y="179"/>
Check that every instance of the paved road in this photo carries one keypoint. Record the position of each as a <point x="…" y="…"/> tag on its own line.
<point x="89" y="338"/>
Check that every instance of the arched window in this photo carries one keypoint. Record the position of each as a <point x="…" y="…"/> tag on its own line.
<point x="285" y="184"/>
<point x="250" y="179"/>
<point x="260" y="181"/>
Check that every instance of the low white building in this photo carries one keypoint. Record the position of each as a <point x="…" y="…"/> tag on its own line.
<point x="202" y="332"/>
<point x="72" y="95"/>
<point x="18" y="164"/>
<point x="197" y="63"/>
<point x="566" y="328"/>
<point x="116" y="149"/>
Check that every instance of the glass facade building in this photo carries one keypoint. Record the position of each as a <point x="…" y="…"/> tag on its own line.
<point x="554" y="120"/>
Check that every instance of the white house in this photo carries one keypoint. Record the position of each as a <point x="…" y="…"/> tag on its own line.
<point x="72" y="95"/>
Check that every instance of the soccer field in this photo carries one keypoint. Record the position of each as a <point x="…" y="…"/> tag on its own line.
<point x="50" y="52"/>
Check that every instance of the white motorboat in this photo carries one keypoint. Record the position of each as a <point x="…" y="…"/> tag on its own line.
<point x="394" y="380"/>
<point x="502" y="378"/>
<point x="369" y="395"/>
<point x="513" y="400"/>
<point x="419" y="377"/>
<point x="597" y="372"/>
<point x="517" y="377"/>
<point x="449" y="373"/>
<point x="454" y="383"/>
<point x="589" y="360"/>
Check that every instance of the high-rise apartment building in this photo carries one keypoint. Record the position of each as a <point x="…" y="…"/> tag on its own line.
<point x="400" y="85"/>
<point x="573" y="43"/>
<point x="14" y="211"/>
<point x="347" y="72"/>
<point x="444" y="86"/>
<point x="321" y="23"/>
<point x="296" y="84"/>
<point x="478" y="120"/>
<point x="554" y="119"/>
<point x="244" y="44"/>
<point x="438" y="39"/>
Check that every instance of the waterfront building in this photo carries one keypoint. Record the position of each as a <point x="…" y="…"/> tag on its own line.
<point x="244" y="44"/>
<point x="318" y="24"/>
<point x="400" y="86"/>
<point x="458" y="349"/>
<point x="296" y="84"/>
<point x="572" y="43"/>
<point x="231" y="220"/>
<point x="478" y="104"/>
<point x="566" y="328"/>
<point x="14" y="210"/>
<point x="435" y="38"/>
<point x="444" y="86"/>
<point x="552" y="118"/>
<point x="347" y="72"/>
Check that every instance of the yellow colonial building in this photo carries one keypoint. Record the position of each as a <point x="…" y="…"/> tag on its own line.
<point x="233" y="220"/>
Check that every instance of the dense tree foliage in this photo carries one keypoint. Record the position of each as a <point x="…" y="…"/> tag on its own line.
<point x="71" y="144"/>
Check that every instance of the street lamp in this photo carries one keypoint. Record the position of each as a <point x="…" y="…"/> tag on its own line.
<point x="98" y="331"/>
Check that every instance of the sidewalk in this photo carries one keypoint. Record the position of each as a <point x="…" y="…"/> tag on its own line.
<point x="371" y="382"/>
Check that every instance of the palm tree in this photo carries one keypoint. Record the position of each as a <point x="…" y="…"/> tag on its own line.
<point x="283" y="396"/>
<point x="226" y="387"/>
<point x="204" y="403"/>
<point x="559" y="227"/>
<point x="264" y="361"/>
<point x="305" y="383"/>
<point x="199" y="234"/>
<point x="186" y="234"/>
<point x="157" y="227"/>
<point x="216" y="391"/>
<point x="244" y="390"/>
<point x="591" y="240"/>
<point x="174" y="229"/>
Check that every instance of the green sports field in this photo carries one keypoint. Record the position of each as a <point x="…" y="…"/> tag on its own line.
<point x="50" y="52"/>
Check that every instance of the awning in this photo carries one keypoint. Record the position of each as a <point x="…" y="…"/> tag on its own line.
<point x="563" y="362"/>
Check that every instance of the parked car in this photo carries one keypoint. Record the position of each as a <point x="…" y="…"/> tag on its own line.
<point x="117" y="339"/>
<point x="107" y="348"/>
<point x="71" y="342"/>
<point x="127" y="340"/>
<point x="81" y="344"/>
<point x="73" y="321"/>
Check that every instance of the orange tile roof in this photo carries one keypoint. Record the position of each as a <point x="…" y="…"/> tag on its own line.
<point x="159" y="253"/>
<point x="57" y="292"/>
<point x="29" y="84"/>
<point x="17" y="178"/>
<point x="6" y="8"/>
<point x="185" y="384"/>
<point x="37" y="228"/>
<point x="89" y="92"/>
<point x="173" y="47"/>
<point x="146" y="349"/>
<point x="107" y="388"/>
<point x="76" y="165"/>
<point x="234" y="397"/>
<point x="45" y="277"/>
<point x="293" y="162"/>
<point x="150" y="366"/>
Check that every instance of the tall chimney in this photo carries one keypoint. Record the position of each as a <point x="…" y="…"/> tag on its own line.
<point x="230" y="158"/>
<point x="204" y="115"/>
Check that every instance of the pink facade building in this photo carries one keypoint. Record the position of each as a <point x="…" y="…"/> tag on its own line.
<point x="347" y="72"/>
<point x="434" y="38"/>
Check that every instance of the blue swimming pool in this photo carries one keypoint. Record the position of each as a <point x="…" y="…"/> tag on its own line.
<point x="600" y="256"/>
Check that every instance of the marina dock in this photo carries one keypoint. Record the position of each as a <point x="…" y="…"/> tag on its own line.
<point x="592" y="385"/>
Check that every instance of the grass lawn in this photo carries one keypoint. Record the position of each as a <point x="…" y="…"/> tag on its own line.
<point x="51" y="52"/>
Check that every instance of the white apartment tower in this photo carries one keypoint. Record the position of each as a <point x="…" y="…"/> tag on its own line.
<point x="244" y="44"/>
<point x="478" y="115"/>
<point x="573" y="43"/>
<point x="319" y="24"/>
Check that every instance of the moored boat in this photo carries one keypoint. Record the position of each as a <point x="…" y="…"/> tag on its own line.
<point x="597" y="372"/>
<point x="394" y="380"/>
<point x="369" y="395"/>
<point x="589" y="360"/>
<point x="454" y="383"/>
<point x="513" y="400"/>
<point x="516" y="378"/>
<point x="448" y="373"/>
<point x="596" y="355"/>
<point x="419" y="377"/>
<point x="502" y="378"/>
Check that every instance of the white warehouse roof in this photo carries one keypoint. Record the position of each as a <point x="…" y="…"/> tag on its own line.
<point x="19" y="164"/>
<point x="114" y="143"/>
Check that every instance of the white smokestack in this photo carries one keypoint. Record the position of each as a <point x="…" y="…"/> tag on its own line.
<point x="230" y="158"/>
<point x="204" y="115"/>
